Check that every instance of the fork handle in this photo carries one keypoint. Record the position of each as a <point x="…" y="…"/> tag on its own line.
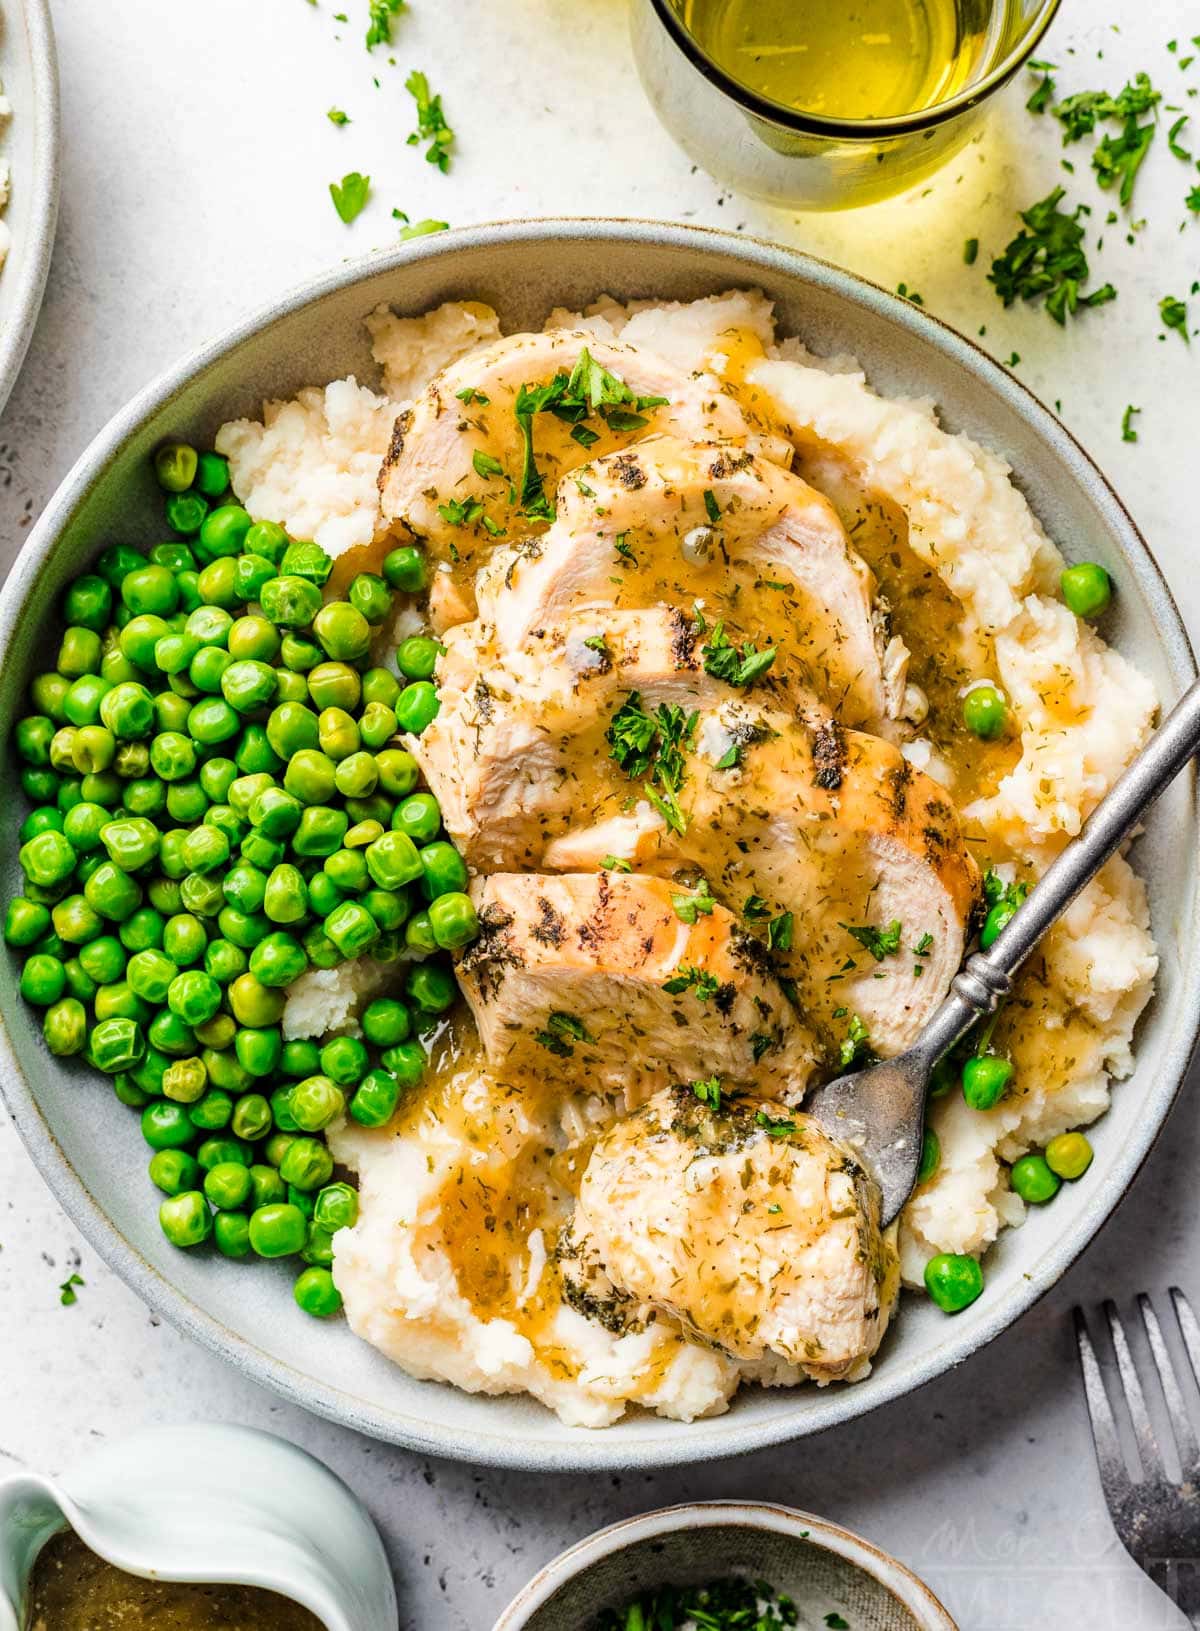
<point x="986" y="977"/>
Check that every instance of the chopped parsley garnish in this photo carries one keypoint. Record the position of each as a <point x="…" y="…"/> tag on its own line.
<point x="1174" y="314"/>
<point x="735" y="1604"/>
<point x="1047" y="259"/>
<point x="855" y="1044"/>
<point x="614" y="863"/>
<point x="66" y="1291"/>
<point x="709" y="1093"/>
<point x="1118" y="159"/>
<point x="779" y="932"/>
<point x="350" y="195"/>
<point x="562" y="1030"/>
<point x="1128" y="433"/>
<point x="697" y="980"/>
<point x="337" y="117"/>
<point x="711" y="508"/>
<point x="724" y="661"/>
<point x="1173" y="141"/>
<point x="923" y="946"/>
<point x="651" y="748"/>
<point x="911" y="295"/>
<point x="774" y="1128"/>
<point x="689" y="907"/>
<point x="1193" y="200"/>
<point x="470" y="395"/>
<point x="835" y="1622"/>
<point x="486" y="464"/>
<point x="461" y="512"/>
<point x="420" y="229"/>
<point x="971" y="251"/>
<point x="598" y="644"/>
<point x="431" y="122"/>
<point x="880" y="943"/>
<point x="624" y="548"/>
<point x="381" y="13"/>
<point x="760" y="1043"/>
<point x="1080" y="114"/>
<point x="1044" y="91"/>
<point x="755" y="909"/>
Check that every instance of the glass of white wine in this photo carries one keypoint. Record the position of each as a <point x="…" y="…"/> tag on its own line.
<point x="829" y="104"/>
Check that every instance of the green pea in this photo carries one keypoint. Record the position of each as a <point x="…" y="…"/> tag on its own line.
<point x="290" y="687"/>
<point x="143" y="930"/>
<point x="172" y="1037"/>
<point x="316" y="1293"/>
<point x="231" y="1234"/>
<point x="165" y="896"/>
<point x="214" y="1151"/>
<point x="31" y="737"/>
<point x="173" y="1171"/>
<point x="250" y="573"/>
<point x="323" y="894"/>
<point x="445" y="871"/>
<point x="335" y="685"/>
<point x="305" y="559"/>
<point x="258" y="1050"/>
<point x="299" y="655"/>
<point x="338" y="734"/>
<point x="398" y="772"/>
<point x="254" y="638"/>
<point x="225" y="961"/>
<point x="247" y="684"/>
<point x="310" y="776"/>
<point x="319" y="949"/>
<point x="417" y="706"/>
<point x="174" y="555"/>
<point x="351" y="928"/>
<point x="344" y="1060"/>
<point x="112" y="892"/>
<point x="185" y="1080"/>
<point x="1069" y="1155"/>
<point x="418" y="934"/>
<point x="377" y="725"/>
<point x="307" y="1164"/>
<point x="139" y="638"/>
<point x="48" y="693"/>
<point x="206" y="669"/>
<point x="453" y="920"/>
<point x="185" y="1219"/>
<point x="318" y="1245"/>
<point x="314" y="1103"/>
<point x="131" y="843"/>
<point x="300" y="1058"/>
<point x="213" y="720"/>
<point x="276" y="961"/>
<point x="393" y="860"/>
<point x="348" y="870"/>
<point x="116" y="1044"/>
<point x="167" y="1126"/>
<point x="46" y="818"/>
<point x="342" y="632"/>
<point x="170" y="855"/>
<point x="143" y="795"/>
<point x="64" y="1027"/>
<point x="82" y="702"/>
<point x="212" y="479"/>
<point x="1086" y="588"/>
<point x="175" y="466"/>
<point x="88" y="603"/>
<point x="39" y="785"/>
<point x="150" y="589"/>
<point x="209" y="626"/>
<point x="286" y="898"/>
<point x="228" y="1185"/>
<point x="290" y="602"/>
<point x="985" y="711"/>
<point x="79" y="653"/>
<point x="62" y="749"/>
<point x="185" y="512"/>
<point x="953" y="1282"/>
<point x="43" y="980"/>
<point x="205" y="849"/>
<point x="186" y="802"/>
<point x="268" y="1188"/>
<point x="79" y="982"/>
<point x="224" y="531"/>
<point x="277" y="1230"/>
<point x="405" y="569"/>
<point x="25" y="922"/>
<point x="416" y="657"/>
<point x="245" y="929"/>
<point x="336" y="1208"/>
<point x="1033" y="1180"/>
<point x="47" y="859"/>
<point x="370" y="596"/>
<point x="184" y="939"/>
<point x="374" y="1102"/>
<point x="171" y="711"/>
<point x="363" y="833"/>
<point x="202" y="894"/>
<point x="116" y="561"/>
<point x="173" y="756"/>
<point x="985" y="1080"/>
<point x="211" y="1113"/>
<point x="281" y="1112"/>
<point x="75" y="921"/>
<point x="320" y="832"/>
<point x="245" y="790"/>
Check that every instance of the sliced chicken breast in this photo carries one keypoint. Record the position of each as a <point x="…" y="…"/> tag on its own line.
<point x="453" y="473"/>
<point x="599" y="980"/>
<point x="520" y="733"/>
<point x="746" y="1223"/>
<point x="668" y="521"/>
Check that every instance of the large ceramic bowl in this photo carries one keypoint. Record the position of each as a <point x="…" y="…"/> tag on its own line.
<point x="88" y="1147"/>
<point x="30" y="144"/>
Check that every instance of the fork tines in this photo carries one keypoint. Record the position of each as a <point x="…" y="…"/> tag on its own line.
<point x="1156" y="1515"/>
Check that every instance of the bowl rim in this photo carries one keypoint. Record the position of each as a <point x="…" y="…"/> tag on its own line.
<point x="800" y="122"/>
<point x="29" y="263"/>
<point x="896" y="1577"/>
<point x="674" y="1444"/>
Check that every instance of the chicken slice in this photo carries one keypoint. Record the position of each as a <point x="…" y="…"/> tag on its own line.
<point x="746" y="1223"/>
<point x="460" y="443"/>
<point x="599" y="980"/>
<point x="667" y="521"/>
<point x="520" y="733"/>
<point x="856" y="858"/>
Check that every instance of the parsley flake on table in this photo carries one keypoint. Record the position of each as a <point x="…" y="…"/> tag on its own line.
<point x="1128" y="433"/>
<point x="431" y="122"/>
<point x="418" y="229"/>
<point x="381" y="14"/>
<point x="66" y="1291"/>
<point x="1046" y="258"/>
<point x="350" y="195"/>
<point x="337" y="117"/>
<point x="1174" y="314"/>
<point x="1173" y="142"/>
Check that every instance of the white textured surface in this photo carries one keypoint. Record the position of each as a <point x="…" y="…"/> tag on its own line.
<point x="197" y="156"/>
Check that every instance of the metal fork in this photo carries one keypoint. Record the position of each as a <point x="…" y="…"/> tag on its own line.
<point x="1157" y="1518"/>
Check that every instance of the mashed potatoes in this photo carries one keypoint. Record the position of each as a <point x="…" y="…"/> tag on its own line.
<point x="489" y="1322"/>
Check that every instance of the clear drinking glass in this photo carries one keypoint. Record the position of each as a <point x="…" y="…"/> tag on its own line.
<point x="808" y="161"/>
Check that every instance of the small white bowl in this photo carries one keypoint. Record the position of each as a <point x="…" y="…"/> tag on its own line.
<point x="206" y="1505"/>
<point x="823" y="1568"/>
